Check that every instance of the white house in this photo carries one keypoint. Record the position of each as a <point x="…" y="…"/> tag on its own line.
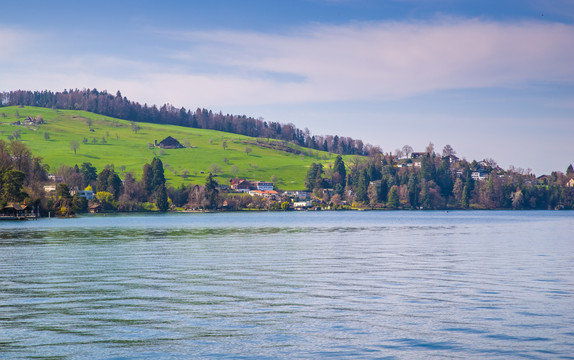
<point x="263" y="185"/>
<point x="50" y="188"/>
<point x="479" y="175"/>
<point x="302" y="204"/>
<point x="87" y="194"/>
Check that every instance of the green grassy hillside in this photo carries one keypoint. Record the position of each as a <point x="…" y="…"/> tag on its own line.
<point x="129" y="151"/>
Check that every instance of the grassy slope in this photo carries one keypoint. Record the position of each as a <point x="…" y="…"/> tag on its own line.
<point x="126" y="149"/>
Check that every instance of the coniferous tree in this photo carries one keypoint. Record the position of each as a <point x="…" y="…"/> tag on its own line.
<point x="362" y="187"/>
<point x="413" y="190"/>
<point x="211" y="191"/>
<point x="161" y="198"/>
<point x="147" y="178"/>
<point x="12" y="183"/>
<point x="339" y="168"/>
<point x="158" y="177"/>
<point x="393" y="197"/>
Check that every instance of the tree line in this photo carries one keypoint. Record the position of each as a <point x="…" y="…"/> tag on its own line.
<point x="435" y="182"/>
<point x="377" y="181"/>
<point x="118" y="106"/>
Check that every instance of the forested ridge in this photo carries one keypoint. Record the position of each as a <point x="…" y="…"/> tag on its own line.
<point x="434" y="181"/>
<point x="118" y="106"/>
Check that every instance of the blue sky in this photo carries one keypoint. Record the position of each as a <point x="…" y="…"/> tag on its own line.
<point x="494" y="79"/>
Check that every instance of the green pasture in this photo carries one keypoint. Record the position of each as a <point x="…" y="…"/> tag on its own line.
<point x="129" y="151"/>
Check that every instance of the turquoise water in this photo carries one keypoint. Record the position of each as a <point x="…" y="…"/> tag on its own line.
<point x="396" y="285"/>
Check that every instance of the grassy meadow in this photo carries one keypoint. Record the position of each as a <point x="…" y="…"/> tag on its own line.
<point x="129" y="151"/>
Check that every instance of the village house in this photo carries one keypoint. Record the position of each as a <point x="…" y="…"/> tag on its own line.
<point x="54" y="178"/>
<point x="168" y="143"/>
<point x="480" y="175"/>
<point x="262" y="185"/>
<point x="267" y="194"/>
<point x="301" y="195"/>
<point x="242" y="185"/>
<point x="451" y="159"/>
<point x="239" y="185"/>
<point x="417" y="155"/>
<point x="87" y="194"/>
<point x="543" y="179"/>
<point x="49" y="188"/>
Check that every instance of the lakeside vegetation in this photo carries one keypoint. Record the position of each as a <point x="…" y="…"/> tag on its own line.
<point x="50" y="158"/>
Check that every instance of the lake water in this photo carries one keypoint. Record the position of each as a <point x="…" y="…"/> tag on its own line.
<point x="392" y="285"/>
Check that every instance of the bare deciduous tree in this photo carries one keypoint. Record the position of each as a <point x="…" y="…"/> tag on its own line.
<point x="407" y="150"/>
<point x="448" y="151"/>
<point x="74" y="145"/>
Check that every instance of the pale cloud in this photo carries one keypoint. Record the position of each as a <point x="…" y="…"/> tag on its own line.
<point x="361" y="61"/>
<point x="389" y="60"/>
<point x="13" y="42"/>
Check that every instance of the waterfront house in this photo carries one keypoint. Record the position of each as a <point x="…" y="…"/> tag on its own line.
<point x="95" y="208"/>
<point x="301" y="205"/>
<point x="16" y="211"/>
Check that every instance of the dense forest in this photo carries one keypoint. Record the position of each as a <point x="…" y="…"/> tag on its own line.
<point x="101" y="102"/>
<point x="432" y="181"/>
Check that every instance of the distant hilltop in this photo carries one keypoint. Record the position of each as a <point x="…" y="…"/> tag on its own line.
<point x="118" y="106"/>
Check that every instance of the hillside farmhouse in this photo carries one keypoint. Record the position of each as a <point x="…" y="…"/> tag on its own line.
<point x="168" y="143"/>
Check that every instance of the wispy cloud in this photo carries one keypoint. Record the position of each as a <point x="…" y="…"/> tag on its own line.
<point x="360" y="61"/>
<point x="13" y="42"/>
<point x="395" y="59"/>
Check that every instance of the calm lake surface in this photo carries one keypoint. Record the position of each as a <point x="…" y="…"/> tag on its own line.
<point x="393" y="285"/>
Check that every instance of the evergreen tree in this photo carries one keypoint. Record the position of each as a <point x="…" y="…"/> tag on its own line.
<point x="362" y="187"/>
<point x="413" y="190"/>
<point x="384" y="192"/>
<point x="89" y="173"/>
<point x="313" y="180"/>
<point x="12" y="183"/>
<point x="147" y="178"/>
<point x="211" y="191"/>
<point x="425" y="196"/>
<point x="393" y="197"/>
<point x="161" y="198"/>
<point x="444" y="179"/>
<point x="102" y="180"/>
<point x="465" y="202"/>
<point x="158" y="178"/>
<point x="339" y="169"/>
<point x="114" y="183"/>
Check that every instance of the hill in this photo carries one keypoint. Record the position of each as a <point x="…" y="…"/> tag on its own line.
<point x="118" y="106"/>
<point x="128" y="146"/>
